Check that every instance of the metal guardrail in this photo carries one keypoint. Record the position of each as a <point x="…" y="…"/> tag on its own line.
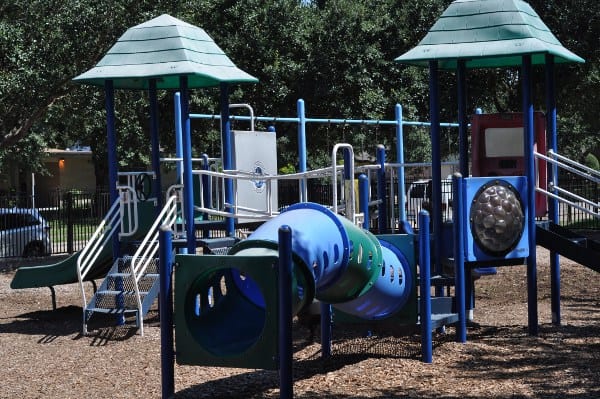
<point x="567" y="196"/>
<point x="149" y="246"/>
<point x="104" y="233"/>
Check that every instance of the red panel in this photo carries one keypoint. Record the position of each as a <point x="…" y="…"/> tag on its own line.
<point x="484" y="165"/>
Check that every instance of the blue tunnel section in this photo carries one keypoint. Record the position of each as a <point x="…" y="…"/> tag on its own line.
<point x="226" y="306"/>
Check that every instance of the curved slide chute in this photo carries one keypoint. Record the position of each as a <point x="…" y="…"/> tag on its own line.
<point x="223" y="303"/>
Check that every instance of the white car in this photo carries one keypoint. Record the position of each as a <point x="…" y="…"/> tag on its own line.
<point x="23" y="232"/>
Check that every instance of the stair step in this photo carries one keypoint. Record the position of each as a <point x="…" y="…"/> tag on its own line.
<point x="112" y="310"/>
<point x="109" y="299"/>
<point x="124" y="282"/>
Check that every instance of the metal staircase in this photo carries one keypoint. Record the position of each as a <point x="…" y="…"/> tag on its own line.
<point x="132" y="284"/>
<point x="122" y="292"/>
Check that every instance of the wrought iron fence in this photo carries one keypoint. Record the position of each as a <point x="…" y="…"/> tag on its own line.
<point x="70" y="217"/>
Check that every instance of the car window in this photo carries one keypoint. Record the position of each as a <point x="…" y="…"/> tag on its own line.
<point x="418" y="191"/>
<point x="17" y="220"/>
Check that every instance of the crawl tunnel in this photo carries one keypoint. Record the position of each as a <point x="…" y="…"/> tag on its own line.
<point x="226" y="307"/>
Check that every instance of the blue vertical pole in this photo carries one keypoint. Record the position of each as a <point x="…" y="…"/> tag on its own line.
<point x="530" y="173"/>
<point x="154" y="139"/>
<point x="363" y="199"/>
<point x="188" y="188"/>
<point x="425" y="286"/>
<point x="301" y="145"/>
<point x="553" y="177"/>
<point x="113" y="177"/>
<point x="463" y="142"/>
<point x="381" y="197"/>
<point x="178" y="136"/>
<point x="436" y="168"/>
<point x="459" y="259"/>
<point x="400" y="160"/>
<point x="206" y="192"/>
<point x="167" y="353"/>
<point x="111" y="139"/>
<point x="326" y="321"/>
<point x="227" y="154"/>
<point x="286" y="385"/>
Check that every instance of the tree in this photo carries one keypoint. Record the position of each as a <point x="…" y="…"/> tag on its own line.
<point x="43" y="45"/>
<point x="338" y="55"/>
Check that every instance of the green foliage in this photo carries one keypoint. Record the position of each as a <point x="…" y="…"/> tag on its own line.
<point x="338" y="55"/>
<point x="591" y="161"/>
<point x="287" y="169"/>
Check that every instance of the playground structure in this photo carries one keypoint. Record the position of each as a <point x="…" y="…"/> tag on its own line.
<point x="228" y="311"/>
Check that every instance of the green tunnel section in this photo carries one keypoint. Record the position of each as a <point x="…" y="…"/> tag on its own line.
<point x="226" y="306"/>
<point x="216" y="320"/>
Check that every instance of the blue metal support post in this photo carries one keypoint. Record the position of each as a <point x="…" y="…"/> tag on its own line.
<point x="301" y="146"/>
<point x="155" y="143"/>
<point x="188" y="188"/>
<point x="113" y="179"/>
<point x="425" y="288"/>
<point x="381" y="195"/>
<point x="363" y="199"/>
<point x="459" y="257"/>
<point x="400" y="160"/>
<point x="227" y="155"/>
<point x="286" y="385"/>
<point x="463" y="157"/>
<point x="167" y="353"/>
<point x="436" y="169"/>
<point x="553" y="177"/>
<point x="111" y="139"/>
<point x="178" y="137"/>
<point x="463" y="142"/>
<point x="530" y="173"/>
<point x="206" y="191"/>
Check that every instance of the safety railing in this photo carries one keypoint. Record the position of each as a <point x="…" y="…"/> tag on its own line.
<point x="105" y="231"/>
<point x="215" y="182"/>
<point x="140" y="182"/>
<point x="565" y="196"/>
<point x="148" y="248"/>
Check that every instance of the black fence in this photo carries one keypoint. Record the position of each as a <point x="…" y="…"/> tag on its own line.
<point x="67" y="221"/>
<point x="71" y="217"/>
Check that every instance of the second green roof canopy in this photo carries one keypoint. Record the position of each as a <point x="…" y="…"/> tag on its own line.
<point x="487" y="34"/>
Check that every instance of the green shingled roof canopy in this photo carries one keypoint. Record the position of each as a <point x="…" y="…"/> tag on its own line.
<point x="164" y="48"/>
<point x="487" y="34"/>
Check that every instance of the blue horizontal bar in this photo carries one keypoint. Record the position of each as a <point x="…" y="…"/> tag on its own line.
<point x="322" y="120"/>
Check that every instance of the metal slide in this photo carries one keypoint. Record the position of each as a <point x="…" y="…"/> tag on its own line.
<point x="63" y="272"/>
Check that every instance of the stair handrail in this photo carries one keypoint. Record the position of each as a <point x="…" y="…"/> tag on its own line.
<point x="128" y="206"/>
<point x="560" y="161"/>
<point x="102" y="235"/>
<point x="149" y="246"/>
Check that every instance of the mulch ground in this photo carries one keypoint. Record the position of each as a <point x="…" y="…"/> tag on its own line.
<point x="45" y="356"/>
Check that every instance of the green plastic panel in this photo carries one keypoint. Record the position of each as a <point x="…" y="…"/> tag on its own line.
<point x="216" y="323"/>
<point x="408" y="315"/>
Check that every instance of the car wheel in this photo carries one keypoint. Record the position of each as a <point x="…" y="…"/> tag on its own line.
<point x="33" y="249"/>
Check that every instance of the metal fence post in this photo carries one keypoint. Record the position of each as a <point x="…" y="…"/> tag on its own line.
<point x="69" y="203"/>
